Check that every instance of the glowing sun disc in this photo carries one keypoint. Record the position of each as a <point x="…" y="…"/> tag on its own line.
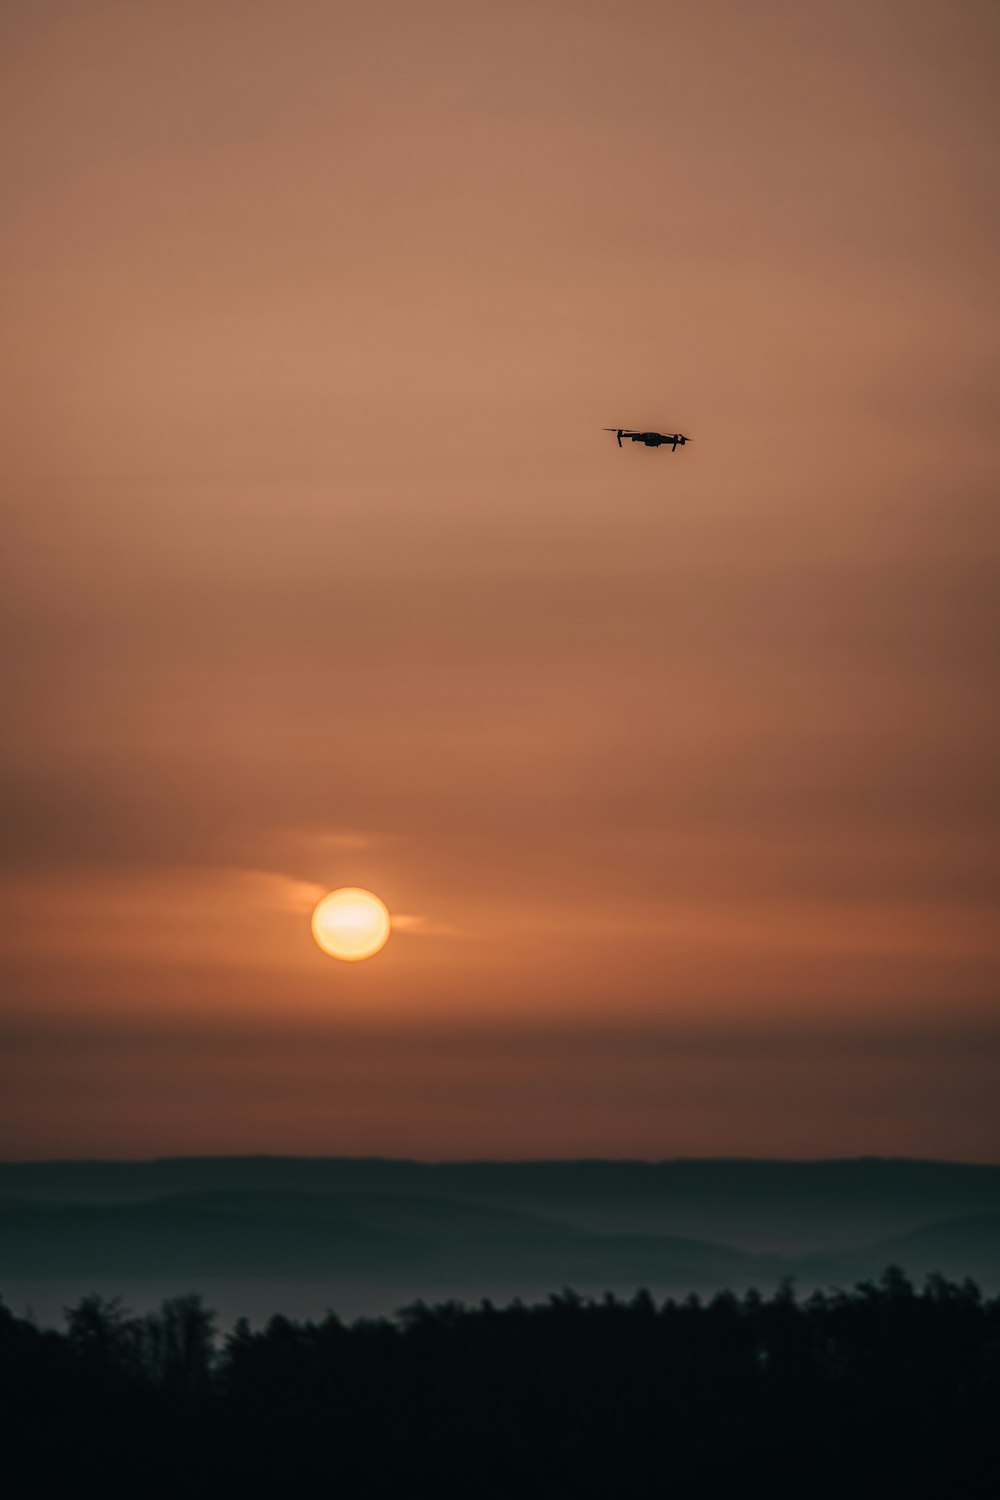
<point x="351" y="924"/>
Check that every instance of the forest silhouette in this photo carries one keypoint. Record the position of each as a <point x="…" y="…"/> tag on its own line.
<point x="886" y="1390"/>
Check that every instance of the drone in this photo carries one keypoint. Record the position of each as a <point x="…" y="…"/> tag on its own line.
<point x="651" y="439"/>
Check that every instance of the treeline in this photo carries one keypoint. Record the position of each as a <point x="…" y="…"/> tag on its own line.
<point x="884" y="1391"/>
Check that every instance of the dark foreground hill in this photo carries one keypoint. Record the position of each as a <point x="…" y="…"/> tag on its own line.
<point x="260" y="1235"/>
<point x="879" y="1394"/>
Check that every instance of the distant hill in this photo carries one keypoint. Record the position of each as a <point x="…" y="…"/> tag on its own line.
<point x="448" y="1244"/>
<point x="192" y="1237"/>
<point x="783" y="1206"/>
<point x="956" y="1248"/>
<point x="260" y="1235"/>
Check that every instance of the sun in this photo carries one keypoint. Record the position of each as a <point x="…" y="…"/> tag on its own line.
<point x="351" y="924"/>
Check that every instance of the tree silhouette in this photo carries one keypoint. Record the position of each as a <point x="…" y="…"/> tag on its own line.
<point x="881" y="1392"/>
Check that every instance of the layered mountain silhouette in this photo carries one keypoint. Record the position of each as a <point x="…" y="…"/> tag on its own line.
<point x="369" y="1235"/>
<point x="342" y="1235"/>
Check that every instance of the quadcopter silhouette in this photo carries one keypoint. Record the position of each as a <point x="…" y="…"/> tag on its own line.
<point x="651" y="439"/>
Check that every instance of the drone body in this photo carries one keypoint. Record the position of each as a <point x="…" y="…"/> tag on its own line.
<point x="651" y="439"/>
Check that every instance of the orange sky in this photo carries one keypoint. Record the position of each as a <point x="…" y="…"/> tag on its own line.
<point x="678" y="770"/>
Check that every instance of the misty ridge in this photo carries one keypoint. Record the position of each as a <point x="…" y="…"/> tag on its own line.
<point x="298" y="1236"/>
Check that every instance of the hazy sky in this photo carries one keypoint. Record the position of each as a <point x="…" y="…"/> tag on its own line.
<point x="677" y="770"/>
